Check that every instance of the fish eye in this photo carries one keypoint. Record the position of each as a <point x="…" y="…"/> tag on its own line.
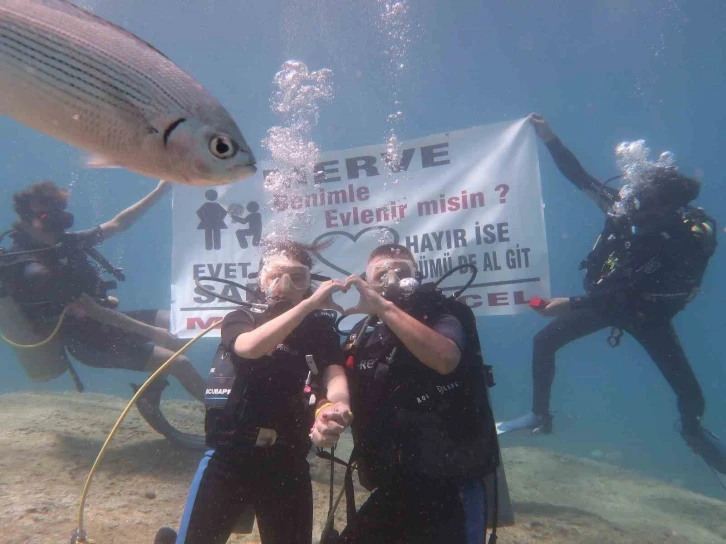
<point x="222" y="147"/>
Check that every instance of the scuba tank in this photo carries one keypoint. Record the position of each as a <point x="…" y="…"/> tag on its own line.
<point x="42" y="363"/>
<point x="42" y="358"/>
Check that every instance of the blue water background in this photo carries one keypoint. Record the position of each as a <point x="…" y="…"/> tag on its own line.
<point x="601" y="72"/>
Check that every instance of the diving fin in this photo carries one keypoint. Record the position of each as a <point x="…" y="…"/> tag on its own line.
<point x="535" y="423"/>
<point x="707" y="445"/>
<point x="149" y="408"/>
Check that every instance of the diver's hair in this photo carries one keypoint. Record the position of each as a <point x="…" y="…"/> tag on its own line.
<point x="670" y="187"/>
<point x="45" y="193"/>
<point x="391" y="250"/>
<point x="298" y="251"/>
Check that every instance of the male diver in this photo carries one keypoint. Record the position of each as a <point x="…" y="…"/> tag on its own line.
<point x="44" y="282"/>
<point x="647" y="264"/>
<point x="424" y="437"/>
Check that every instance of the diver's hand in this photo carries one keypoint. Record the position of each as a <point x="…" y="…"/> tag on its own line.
<point x="541" y="127"/>
<point x="330" y="424"/>
<point x="77" y="309"/>
<point x="370" y="303"/>
<point x="322" y="297"/>
<point x="556" y="307"/>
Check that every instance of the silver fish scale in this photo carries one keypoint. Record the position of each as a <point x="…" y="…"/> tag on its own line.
<point x="87" y="82"/>
<point x="106" y="83"/>
<point x="117" y="56"/>
<point x="69" y="77"/>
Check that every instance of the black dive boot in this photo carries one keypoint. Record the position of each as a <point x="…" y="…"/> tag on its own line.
<point x="166" y="535"/>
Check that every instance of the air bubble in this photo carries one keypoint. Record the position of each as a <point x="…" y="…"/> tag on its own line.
<point x="633" y="161"/>
<point x="297" y="100"/>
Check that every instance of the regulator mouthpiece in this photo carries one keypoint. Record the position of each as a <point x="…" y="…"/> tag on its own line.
<point x="401" y="291"/>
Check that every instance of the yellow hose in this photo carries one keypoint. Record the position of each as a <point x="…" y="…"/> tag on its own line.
<point x="141" y="390"/>
<point x="44" y="342"/>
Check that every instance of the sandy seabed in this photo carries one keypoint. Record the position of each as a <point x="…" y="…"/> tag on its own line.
<point x="48" y="443"/>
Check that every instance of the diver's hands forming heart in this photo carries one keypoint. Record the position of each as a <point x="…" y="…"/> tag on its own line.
<point x="322" y="297"/>
<point x="370" y="301"/>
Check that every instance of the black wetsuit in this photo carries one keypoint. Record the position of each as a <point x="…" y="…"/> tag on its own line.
<point x="264" y="393"/>
<point x="406" y="415"/>
<point x="636" y="282"/>
<point x="42" y="284"/>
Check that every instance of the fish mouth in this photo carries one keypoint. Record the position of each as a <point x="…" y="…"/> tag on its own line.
<point x="244" y="171"/>
<point x="234" y="174"/>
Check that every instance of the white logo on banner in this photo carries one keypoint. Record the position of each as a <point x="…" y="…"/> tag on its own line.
<point x="468" y="196"/>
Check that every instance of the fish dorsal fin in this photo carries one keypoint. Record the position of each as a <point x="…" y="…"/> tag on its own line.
<point x="81" y="13"/>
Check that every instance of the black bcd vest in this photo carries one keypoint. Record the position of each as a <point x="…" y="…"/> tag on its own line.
<point x="438" y="426"/>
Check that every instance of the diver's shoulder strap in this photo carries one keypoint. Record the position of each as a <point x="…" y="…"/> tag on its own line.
<point x="356" y="330"/>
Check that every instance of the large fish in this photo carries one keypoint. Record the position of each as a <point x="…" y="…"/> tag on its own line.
<point x="78" y="78"/>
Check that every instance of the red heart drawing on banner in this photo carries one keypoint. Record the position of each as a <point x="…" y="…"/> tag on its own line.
<point x="353" y="238"/>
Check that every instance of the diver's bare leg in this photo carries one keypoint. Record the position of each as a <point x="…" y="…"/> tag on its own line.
<point x="163" y="319"/>
<point x="181" y="369"/>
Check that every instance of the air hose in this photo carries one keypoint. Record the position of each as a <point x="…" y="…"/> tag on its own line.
<point x="43" y="342"/>
<point x="80" y="537"/>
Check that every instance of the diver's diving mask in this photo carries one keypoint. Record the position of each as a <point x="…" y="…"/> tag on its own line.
<point x="392" y="278"/>
<point x="55" y="220"/>
<point x="285" y="277"/>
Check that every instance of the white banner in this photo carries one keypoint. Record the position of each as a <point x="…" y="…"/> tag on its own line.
<point x="469" y="196"/>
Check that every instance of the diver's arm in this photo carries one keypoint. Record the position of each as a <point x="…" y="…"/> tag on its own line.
<point x="133" y="213"/>
<point x="571" y="168"/>
<point x="336" y="385"/>
<point x="428" y="346"/>
<point x="332" y="415"/>
<point x="81" y="240"/>
<point x="560" y="306"/>
<point x="586" y="301"/>
<point x="265" y="338"/>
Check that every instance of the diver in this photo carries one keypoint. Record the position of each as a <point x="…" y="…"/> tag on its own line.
<point x="647" y="265"/>
<point x="424" y="436"/>
<point x="45" y="283"/>
<point x="258" y="408"/>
